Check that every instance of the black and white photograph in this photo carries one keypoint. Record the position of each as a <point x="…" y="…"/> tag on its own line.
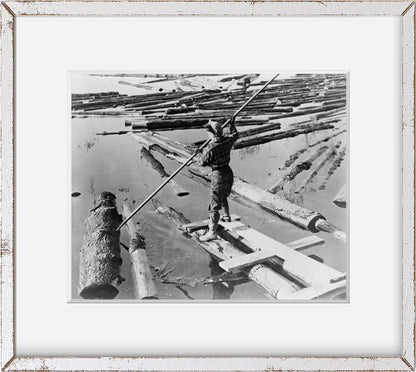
<point x="209" y="186"/>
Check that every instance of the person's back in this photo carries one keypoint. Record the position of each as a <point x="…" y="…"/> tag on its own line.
<point x="217" y="153"/>
<point x="217" y="156"/>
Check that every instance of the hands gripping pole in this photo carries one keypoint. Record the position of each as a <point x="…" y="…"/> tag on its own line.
<point x="193" y="156"/>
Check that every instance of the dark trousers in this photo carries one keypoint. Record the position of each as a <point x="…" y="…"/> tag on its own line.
<point x="221" y="184"/>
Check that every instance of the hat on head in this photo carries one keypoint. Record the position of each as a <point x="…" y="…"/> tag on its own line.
<point x="214" y="127"/>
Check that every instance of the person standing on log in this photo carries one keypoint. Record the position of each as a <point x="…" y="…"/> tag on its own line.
<point x="217" y="156"/>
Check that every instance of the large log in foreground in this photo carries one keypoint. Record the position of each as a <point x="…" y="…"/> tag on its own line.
<point x="100" y="261"/>
<point x="144" y="286"/>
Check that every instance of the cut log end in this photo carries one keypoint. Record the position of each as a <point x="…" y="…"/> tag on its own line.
<point x="98" y="291"/>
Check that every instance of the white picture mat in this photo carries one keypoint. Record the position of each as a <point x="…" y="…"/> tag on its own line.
<point x="47" y="47"/>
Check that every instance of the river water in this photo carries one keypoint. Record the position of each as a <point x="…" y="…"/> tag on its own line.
<point x="112" y="163"/>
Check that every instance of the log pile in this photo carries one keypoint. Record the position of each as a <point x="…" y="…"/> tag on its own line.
<point x="323" y="95"/>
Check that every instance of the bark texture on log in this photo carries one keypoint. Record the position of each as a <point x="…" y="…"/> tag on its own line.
<point x="100" y="261"/>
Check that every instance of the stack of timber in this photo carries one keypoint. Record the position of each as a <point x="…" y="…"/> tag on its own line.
<point x="100" y="261"/>
<point x="299" y="216"/>
<point x="308" y="94"/>
<point x="280" y="269"/>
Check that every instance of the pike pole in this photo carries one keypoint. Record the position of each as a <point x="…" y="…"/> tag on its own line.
<point x="205" y="144"/>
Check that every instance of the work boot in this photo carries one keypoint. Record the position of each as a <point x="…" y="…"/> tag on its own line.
<point x="211" y="234"/>
<point x="225" y="215"/>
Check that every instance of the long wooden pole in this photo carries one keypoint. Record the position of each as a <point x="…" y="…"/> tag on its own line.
<point x="193" y="156"/>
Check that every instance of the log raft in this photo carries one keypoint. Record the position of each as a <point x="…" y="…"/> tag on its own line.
<point x="100" y="261"/>
<point x="253" y="257"/>
<point x="273" y="283"/>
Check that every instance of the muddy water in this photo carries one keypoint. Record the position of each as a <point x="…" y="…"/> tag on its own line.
<point x="112" y="163"/>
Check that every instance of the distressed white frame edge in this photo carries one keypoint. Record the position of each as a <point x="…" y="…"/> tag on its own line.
<point x="405" y="9"/>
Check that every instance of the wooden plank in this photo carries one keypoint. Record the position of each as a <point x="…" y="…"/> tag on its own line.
<point x="199" y="225"/>
<point x="295" y="263"/>
<point x="247" y="260"/>
<point x="304" y="243"/>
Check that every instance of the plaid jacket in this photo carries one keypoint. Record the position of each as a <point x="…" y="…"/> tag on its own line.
<point x="217" y="153"/>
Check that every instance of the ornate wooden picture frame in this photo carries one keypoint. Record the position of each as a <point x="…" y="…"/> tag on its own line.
<point x="405" y="10"/>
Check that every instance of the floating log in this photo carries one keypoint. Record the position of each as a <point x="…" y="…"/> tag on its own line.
<point x="299" y="216"/>
<point x="102" y="113"/>
<point x="241" y="143"/>
<point x="83" y="96"/>
<point x="340" y="199"/>
<point x="330" y="155"/>
<point x="117" y="133"/>
<point x="336" y="101"/>
<point x="158" y="167"/>
<point x="193" y="123"/>
<point x="335" y="164"/>
<point x="141" y="86"/>
<point x="293" y="158"/>
<point x="326" y="139"/>
<point x="262" y="129"/>
<point x="100" y="261"/>
<point x="142" y="275"/>
<point x="309" y="111"/>
<point x="250" y="132"/>
<point x="180" y="110"/>
<point x="299" y="168"/>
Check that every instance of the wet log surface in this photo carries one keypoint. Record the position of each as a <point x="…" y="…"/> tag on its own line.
<point x="100" y="261"/>
<point x="158" y="167"/>
<point x="144" y="286"/>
